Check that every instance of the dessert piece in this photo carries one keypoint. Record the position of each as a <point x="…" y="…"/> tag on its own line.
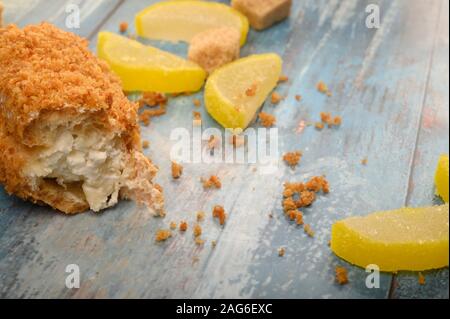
<point x="405" y="239"/>
<point x="225" y="92"/>
<point x="263" y="13"/>
<point x="145" y="68"/>
<point x="182" y="20"/>
<point x="441" y="178"/>
<point x="69" y="137"/>
<point x="341" y="275"/>
<point x="215" y="47"/>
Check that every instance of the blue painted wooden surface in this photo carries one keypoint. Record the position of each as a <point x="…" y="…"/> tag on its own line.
<point x="390" y="86"/>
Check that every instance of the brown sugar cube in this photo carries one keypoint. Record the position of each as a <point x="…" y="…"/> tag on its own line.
<point x="263" y="13"/>
<point x="215" y="47"/>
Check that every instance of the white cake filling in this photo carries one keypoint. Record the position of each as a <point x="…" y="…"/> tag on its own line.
<point x="86" y="155"/>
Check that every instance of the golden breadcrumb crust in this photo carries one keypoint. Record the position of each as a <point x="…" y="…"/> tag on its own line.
<point x="46" y="69"/>
<point x="46" y="76"/>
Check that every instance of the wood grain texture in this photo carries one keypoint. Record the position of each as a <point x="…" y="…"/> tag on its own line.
<point x="387" y="84"/>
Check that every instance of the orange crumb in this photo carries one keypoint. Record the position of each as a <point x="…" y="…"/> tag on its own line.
<point x="200" y="216"/>
<point x="292" y="158"/>
<point x="421" y="279"/>
<point x="306" y="199"/>
<point x="177" y="170"/>
<point x="319" y="125"/>
<point x="173" y="225"/>
<point x="213" y="142"/>
<point x="308" y="230"/>
<point x="283" y="78"/>
<point x="276" y="98"/>
<point x="267" y="120"/>
<point x="298" y="98"/>
<point x="197" y="102"/>
<point x="337" y="121"/>
<point x="213" y="181"/>
<point x="213" y="244"/>
<point x="289" y="204"/>
<point x="292" y="214"/>
<point x="317" y="184"/>
<point x="281" y="251"/>
<point x="152" y="99"/>
<point x="183" y="226"/>
<point x="364" y="161"/>
<point x="145" y="119"/>
<point x="197" y="115"/>
<point x="145" y="144"/>
<point x="197" y="230"/>
<point x="123" y="27"/>
<point x="251" y="91"/>
<point x="199" y="241"/>
<point x="299" y="218"/>
<point x="325" y="117"/>
<point x="219" y="212"/>
<point x="146" y="115"/>
<point x="322" y="88"/>
<point x="341" y="275"/>
<point x="163" y="234"/>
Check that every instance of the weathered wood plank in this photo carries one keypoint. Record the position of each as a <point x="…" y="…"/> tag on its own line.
<point x="432" y="141"/>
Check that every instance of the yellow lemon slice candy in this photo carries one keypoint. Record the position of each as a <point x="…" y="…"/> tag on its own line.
<point x="235" y="92"/>
<point x="181" y="20"/>
<point x="405" y="239"/>
<point x="145" y="68"/>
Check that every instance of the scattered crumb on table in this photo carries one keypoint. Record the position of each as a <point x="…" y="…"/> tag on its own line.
<point x="341" y="275"/>
<point x="421" y="279"/>
<point x="177" y="170"/>
<point x="197" y="230"/>
<point x="276" y="98"/>
<point x="200" y="216"/>
<point x="162" y="235"/>
<point x="123" y="27"/>
<point x="213" y="181"/>
<point x="281" y="251"/>
<point x="173" y="225"/>
<point x="219" y="212"/>
<point x="145" y="144"/>
<point x="267" y="120"/>
<point x="183" y="226"/>
<point x="292" y="158"/>
<point x="308" y="230"/>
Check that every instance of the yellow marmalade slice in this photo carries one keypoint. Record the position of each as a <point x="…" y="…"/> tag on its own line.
<point x="181" y="20"/>
<point x="145" y="68"/>
<point x="405" y="239"/>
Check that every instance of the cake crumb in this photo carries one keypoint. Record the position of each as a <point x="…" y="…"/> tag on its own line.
<point x="163" y="235"/>
<point x="292" y="158"/>
<point x="177" y="170"/>
<point x="200" y="216"/>
<point x="197" y="102"/>
<point x="281" y="251"/>
<point x="328" y="119"/>
<point x="183" y="226"/>
<point x="323" y="88"/>
<point x="299" y="218"/>
<point x="173" y="225"/>
<point x="308" y="230"/>
<point x="292" y="214"/>
<point x="276" y="98"/>
<point x="213" y="181"/>
<point x="197" y="121"/>
<point x="251" y="91"/>
<point x="267" y="120"/>
<point x="421" y="279"/>
<point x="283" y="78"/>
<point x="197" y="230"/>
<point x="219" y="212"/>
<point x="213" y="244"/>
<point x="364" y="161"/>
<point x="152" y="99"/>
<point x="123" y="27"/>
<point x="199" y="241"/>
<point x="298" y="98"/>
<point x="319" y="126"/>
<point x="145" y="144"/>
<point x="341" y="275"/>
